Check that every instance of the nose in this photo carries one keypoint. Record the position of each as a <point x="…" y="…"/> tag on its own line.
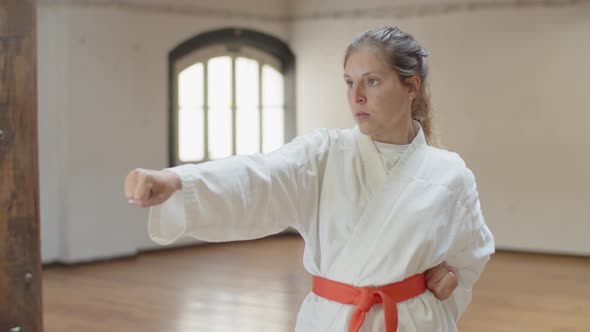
<point x="358" y="95"/>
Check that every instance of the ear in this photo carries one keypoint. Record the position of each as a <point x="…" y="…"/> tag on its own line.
<point x="413" y="83"/>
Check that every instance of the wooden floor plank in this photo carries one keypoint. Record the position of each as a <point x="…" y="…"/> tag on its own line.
<point x="259" y="286"/>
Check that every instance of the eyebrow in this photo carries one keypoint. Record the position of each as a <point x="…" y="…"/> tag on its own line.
<point x="366" y="74"/>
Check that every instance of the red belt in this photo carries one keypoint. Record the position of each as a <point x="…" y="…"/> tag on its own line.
<point x="365" y="297"/>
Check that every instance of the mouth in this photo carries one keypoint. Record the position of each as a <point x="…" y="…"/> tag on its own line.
<point x="361" y="114"/>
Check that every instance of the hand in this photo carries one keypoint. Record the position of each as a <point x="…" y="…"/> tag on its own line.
<point x="146" y="188"/>
<point x="441" y="280"/>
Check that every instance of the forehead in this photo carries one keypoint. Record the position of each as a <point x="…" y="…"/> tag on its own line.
<point x="365" y="60"/>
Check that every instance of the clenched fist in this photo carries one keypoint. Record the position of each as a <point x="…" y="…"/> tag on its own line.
<point x="442" y="280"/>
<point x="145" y="188"/>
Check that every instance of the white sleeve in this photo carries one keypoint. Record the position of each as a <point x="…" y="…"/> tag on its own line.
<point x="472" y="257"/>
<point x="244" y="197"/>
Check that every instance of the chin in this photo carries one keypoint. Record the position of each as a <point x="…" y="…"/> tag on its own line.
<point x="365" y="128"/>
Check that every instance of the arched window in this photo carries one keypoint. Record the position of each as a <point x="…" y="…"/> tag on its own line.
<point x="231" y="92"/>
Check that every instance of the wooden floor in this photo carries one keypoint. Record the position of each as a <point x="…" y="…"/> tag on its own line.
<point x="259" y="286"/>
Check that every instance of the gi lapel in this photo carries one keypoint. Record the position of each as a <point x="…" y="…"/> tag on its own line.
<point x="383" y="192"/>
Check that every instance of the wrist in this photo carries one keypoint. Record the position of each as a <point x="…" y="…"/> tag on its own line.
<point x="174" y="180"/>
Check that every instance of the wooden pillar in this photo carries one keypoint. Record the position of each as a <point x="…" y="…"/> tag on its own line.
<point x="20" y="267"/>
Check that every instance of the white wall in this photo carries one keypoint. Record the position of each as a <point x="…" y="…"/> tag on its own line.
<point x="507" y="84"/>
<point x="48" y="132"/>
<point x="102" y="112"/>
<point x="510" y="89"/>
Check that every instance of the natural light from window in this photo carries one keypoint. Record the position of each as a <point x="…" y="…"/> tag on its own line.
<point x="259" y="92"/>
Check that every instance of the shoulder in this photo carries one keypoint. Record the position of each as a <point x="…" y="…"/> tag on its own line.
<point x="326" y="137"/>
<point x="314" y="144"/>
<point x="448" y="168"/>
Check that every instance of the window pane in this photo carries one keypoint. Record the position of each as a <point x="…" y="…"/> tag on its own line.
<point x="190" y="86"/>
<point x="273" y="128"/>
<point x="248" y="135"/>
<point x="219" y="82"/>
<point x="246" y="82"/>
<point x="272" y="87"/>
<point x="190" y="134"/>
<point x="220" y="132"/>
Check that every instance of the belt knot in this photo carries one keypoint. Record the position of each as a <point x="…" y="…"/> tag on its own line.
<point x="368" y="297"/>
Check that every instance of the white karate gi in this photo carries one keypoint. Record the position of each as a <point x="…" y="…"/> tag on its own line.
<point x="361" y="225"/>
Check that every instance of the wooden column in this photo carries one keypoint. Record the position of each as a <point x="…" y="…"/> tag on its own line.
<point x="20" y="267"/>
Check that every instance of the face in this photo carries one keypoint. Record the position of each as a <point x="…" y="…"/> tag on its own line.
<point x="379" y="102"/>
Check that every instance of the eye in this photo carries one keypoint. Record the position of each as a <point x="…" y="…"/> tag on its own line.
<point x="372" y="82"/>
<point x="349" y="83"/>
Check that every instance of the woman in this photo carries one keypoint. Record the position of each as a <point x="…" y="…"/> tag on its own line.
<point x="377" y="205"/>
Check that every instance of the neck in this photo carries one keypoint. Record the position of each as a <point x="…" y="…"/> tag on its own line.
<point x="400" y="135"/>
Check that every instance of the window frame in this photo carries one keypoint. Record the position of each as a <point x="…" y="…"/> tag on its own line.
<point x="232" y="42"/>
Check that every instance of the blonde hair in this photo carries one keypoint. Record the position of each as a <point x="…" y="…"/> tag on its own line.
<point x="401" y="51"/>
